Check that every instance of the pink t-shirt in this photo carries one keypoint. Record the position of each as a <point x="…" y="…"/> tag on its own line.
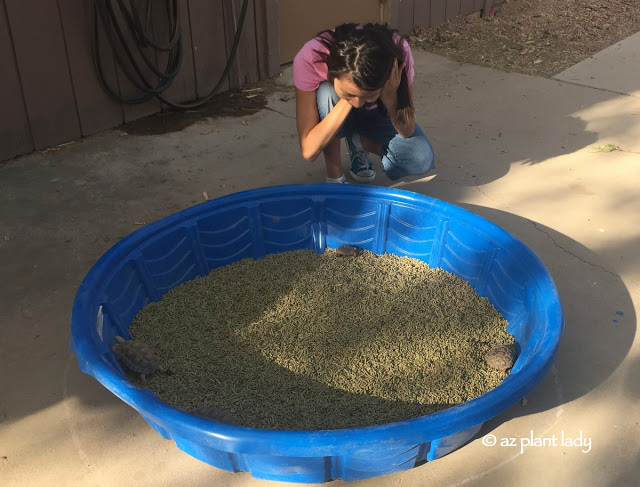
<point x="308" y="74"/>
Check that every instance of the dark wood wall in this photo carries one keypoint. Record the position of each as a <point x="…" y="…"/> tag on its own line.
<point x="49" y="87"/>
<point x="405" y="15"/>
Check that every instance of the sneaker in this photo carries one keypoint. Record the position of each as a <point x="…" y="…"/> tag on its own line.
<point x="340" y="180"/>
<point x="361" y="168"/>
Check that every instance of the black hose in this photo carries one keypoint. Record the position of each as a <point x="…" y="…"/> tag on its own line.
<point x="100" y="10"/>
<point x="173" y="15"/>
<point x="138" y="80"/>
<point x="141" y="42"/>
<point x="104" y="14"/>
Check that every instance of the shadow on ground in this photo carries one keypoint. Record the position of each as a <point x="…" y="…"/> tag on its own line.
<point x="598" y="332"/>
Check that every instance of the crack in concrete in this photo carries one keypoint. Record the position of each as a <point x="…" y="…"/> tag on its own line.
<point x="279" y="112"/>
<point x="569" y="252"/>
<point x="496" y="202"/>
<point x="486" y="195"/>
<point x="470" y="177"/>
<point x="598" y="88"/>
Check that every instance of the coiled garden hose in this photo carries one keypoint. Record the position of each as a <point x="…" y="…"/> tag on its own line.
<point x="104" y="14"/>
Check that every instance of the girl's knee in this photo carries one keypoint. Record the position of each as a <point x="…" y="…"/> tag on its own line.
<point x="417" y="156"/>
<point x="424" y="157"/>
<point x="409" y="157"/>
<point x="326" y="98"/>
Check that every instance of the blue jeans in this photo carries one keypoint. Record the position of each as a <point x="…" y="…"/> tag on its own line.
<point x="400" y="157"/>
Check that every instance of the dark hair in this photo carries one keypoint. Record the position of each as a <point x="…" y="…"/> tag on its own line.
<point x="367" y="53"/>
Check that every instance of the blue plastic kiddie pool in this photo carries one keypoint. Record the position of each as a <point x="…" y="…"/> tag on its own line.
<point x="151" y="261"/>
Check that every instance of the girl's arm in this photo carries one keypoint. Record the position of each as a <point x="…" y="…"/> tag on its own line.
<point x="405" y="128"/>
<point x="314" y="134"/>
<point x="403" y="122"/>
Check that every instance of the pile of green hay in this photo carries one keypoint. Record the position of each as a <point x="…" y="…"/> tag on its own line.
<point x="306" y="341"/>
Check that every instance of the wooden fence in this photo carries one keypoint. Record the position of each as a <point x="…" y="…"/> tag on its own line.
<point x="51" y="93"/>
<point x="404" y="15"/>
<point x="49" y="87"/>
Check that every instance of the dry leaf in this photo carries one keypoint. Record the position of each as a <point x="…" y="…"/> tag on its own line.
<point x="206" y="132"/>
<point x="139" y="223"/>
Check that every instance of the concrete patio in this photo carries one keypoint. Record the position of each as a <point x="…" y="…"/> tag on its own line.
<point x="529" y="154"/>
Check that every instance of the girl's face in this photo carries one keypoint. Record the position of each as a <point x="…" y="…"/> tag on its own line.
<point x="357" y="97"/>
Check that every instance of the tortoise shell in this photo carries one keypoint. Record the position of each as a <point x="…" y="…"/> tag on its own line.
<point x="137" y="357"/>
<point x="348" y="251"/>
<point x="502" y="357"/>
<point x="215" y="414"/>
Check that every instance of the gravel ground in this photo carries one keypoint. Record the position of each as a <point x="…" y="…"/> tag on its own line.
<point x="536" y="37"/>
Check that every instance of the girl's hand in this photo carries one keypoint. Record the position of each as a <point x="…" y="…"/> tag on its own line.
<point x="389" y="92"/>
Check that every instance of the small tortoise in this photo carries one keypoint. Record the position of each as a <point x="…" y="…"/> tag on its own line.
<point x="137" y="357"/>
<point x="348" y="251"/>
<point x="215" y="414"/>
<point x="502" y="357"/>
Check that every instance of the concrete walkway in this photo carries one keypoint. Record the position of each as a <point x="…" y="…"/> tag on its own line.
<point x="526" y="153"/>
